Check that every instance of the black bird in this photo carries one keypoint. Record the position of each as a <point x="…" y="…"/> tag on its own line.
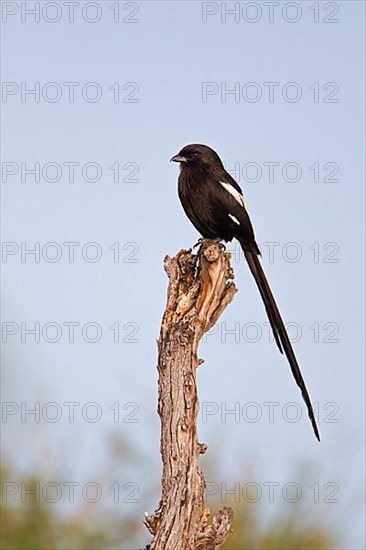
<point x="216" y="206"/>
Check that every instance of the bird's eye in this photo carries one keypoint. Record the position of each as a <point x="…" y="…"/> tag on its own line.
<point x="195" y="155"/>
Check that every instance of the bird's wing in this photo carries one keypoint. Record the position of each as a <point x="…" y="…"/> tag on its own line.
<point x="226" y="193"/>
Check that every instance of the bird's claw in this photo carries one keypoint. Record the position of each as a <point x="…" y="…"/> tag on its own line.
<point x="199" y="242"/>
<point x="202" y="241"/>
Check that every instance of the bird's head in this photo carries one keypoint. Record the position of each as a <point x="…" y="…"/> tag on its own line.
<point x="196" y="155"/>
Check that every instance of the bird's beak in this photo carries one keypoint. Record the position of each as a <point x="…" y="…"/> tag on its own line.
<point x="178" y="158"/>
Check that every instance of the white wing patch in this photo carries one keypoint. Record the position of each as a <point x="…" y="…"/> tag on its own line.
<point x="234" y="219"/>
<point x="234" y="193"/>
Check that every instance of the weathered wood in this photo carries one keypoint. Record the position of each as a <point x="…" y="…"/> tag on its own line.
<point x="200" y="288"/>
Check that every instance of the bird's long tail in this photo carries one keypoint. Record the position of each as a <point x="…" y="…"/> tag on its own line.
<point x="279" y="330"/>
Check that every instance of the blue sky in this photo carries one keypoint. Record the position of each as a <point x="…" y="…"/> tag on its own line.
<point x="144" y="86"/>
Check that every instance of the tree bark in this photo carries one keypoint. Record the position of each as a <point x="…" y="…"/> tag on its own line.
<point x="200" y="288"/>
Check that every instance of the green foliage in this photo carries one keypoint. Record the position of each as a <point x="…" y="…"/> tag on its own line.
<point x="41" y="525"/>
<point x="288" y="532"/>
<point x="32" y="525"/>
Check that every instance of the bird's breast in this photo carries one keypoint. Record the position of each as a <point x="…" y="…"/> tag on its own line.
<point x="197" y="195"/>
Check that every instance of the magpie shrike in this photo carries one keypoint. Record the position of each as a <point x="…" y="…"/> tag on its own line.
<point x="216" y="206"/>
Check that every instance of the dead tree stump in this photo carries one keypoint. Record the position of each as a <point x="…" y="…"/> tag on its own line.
<point x="200" y="288"/>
